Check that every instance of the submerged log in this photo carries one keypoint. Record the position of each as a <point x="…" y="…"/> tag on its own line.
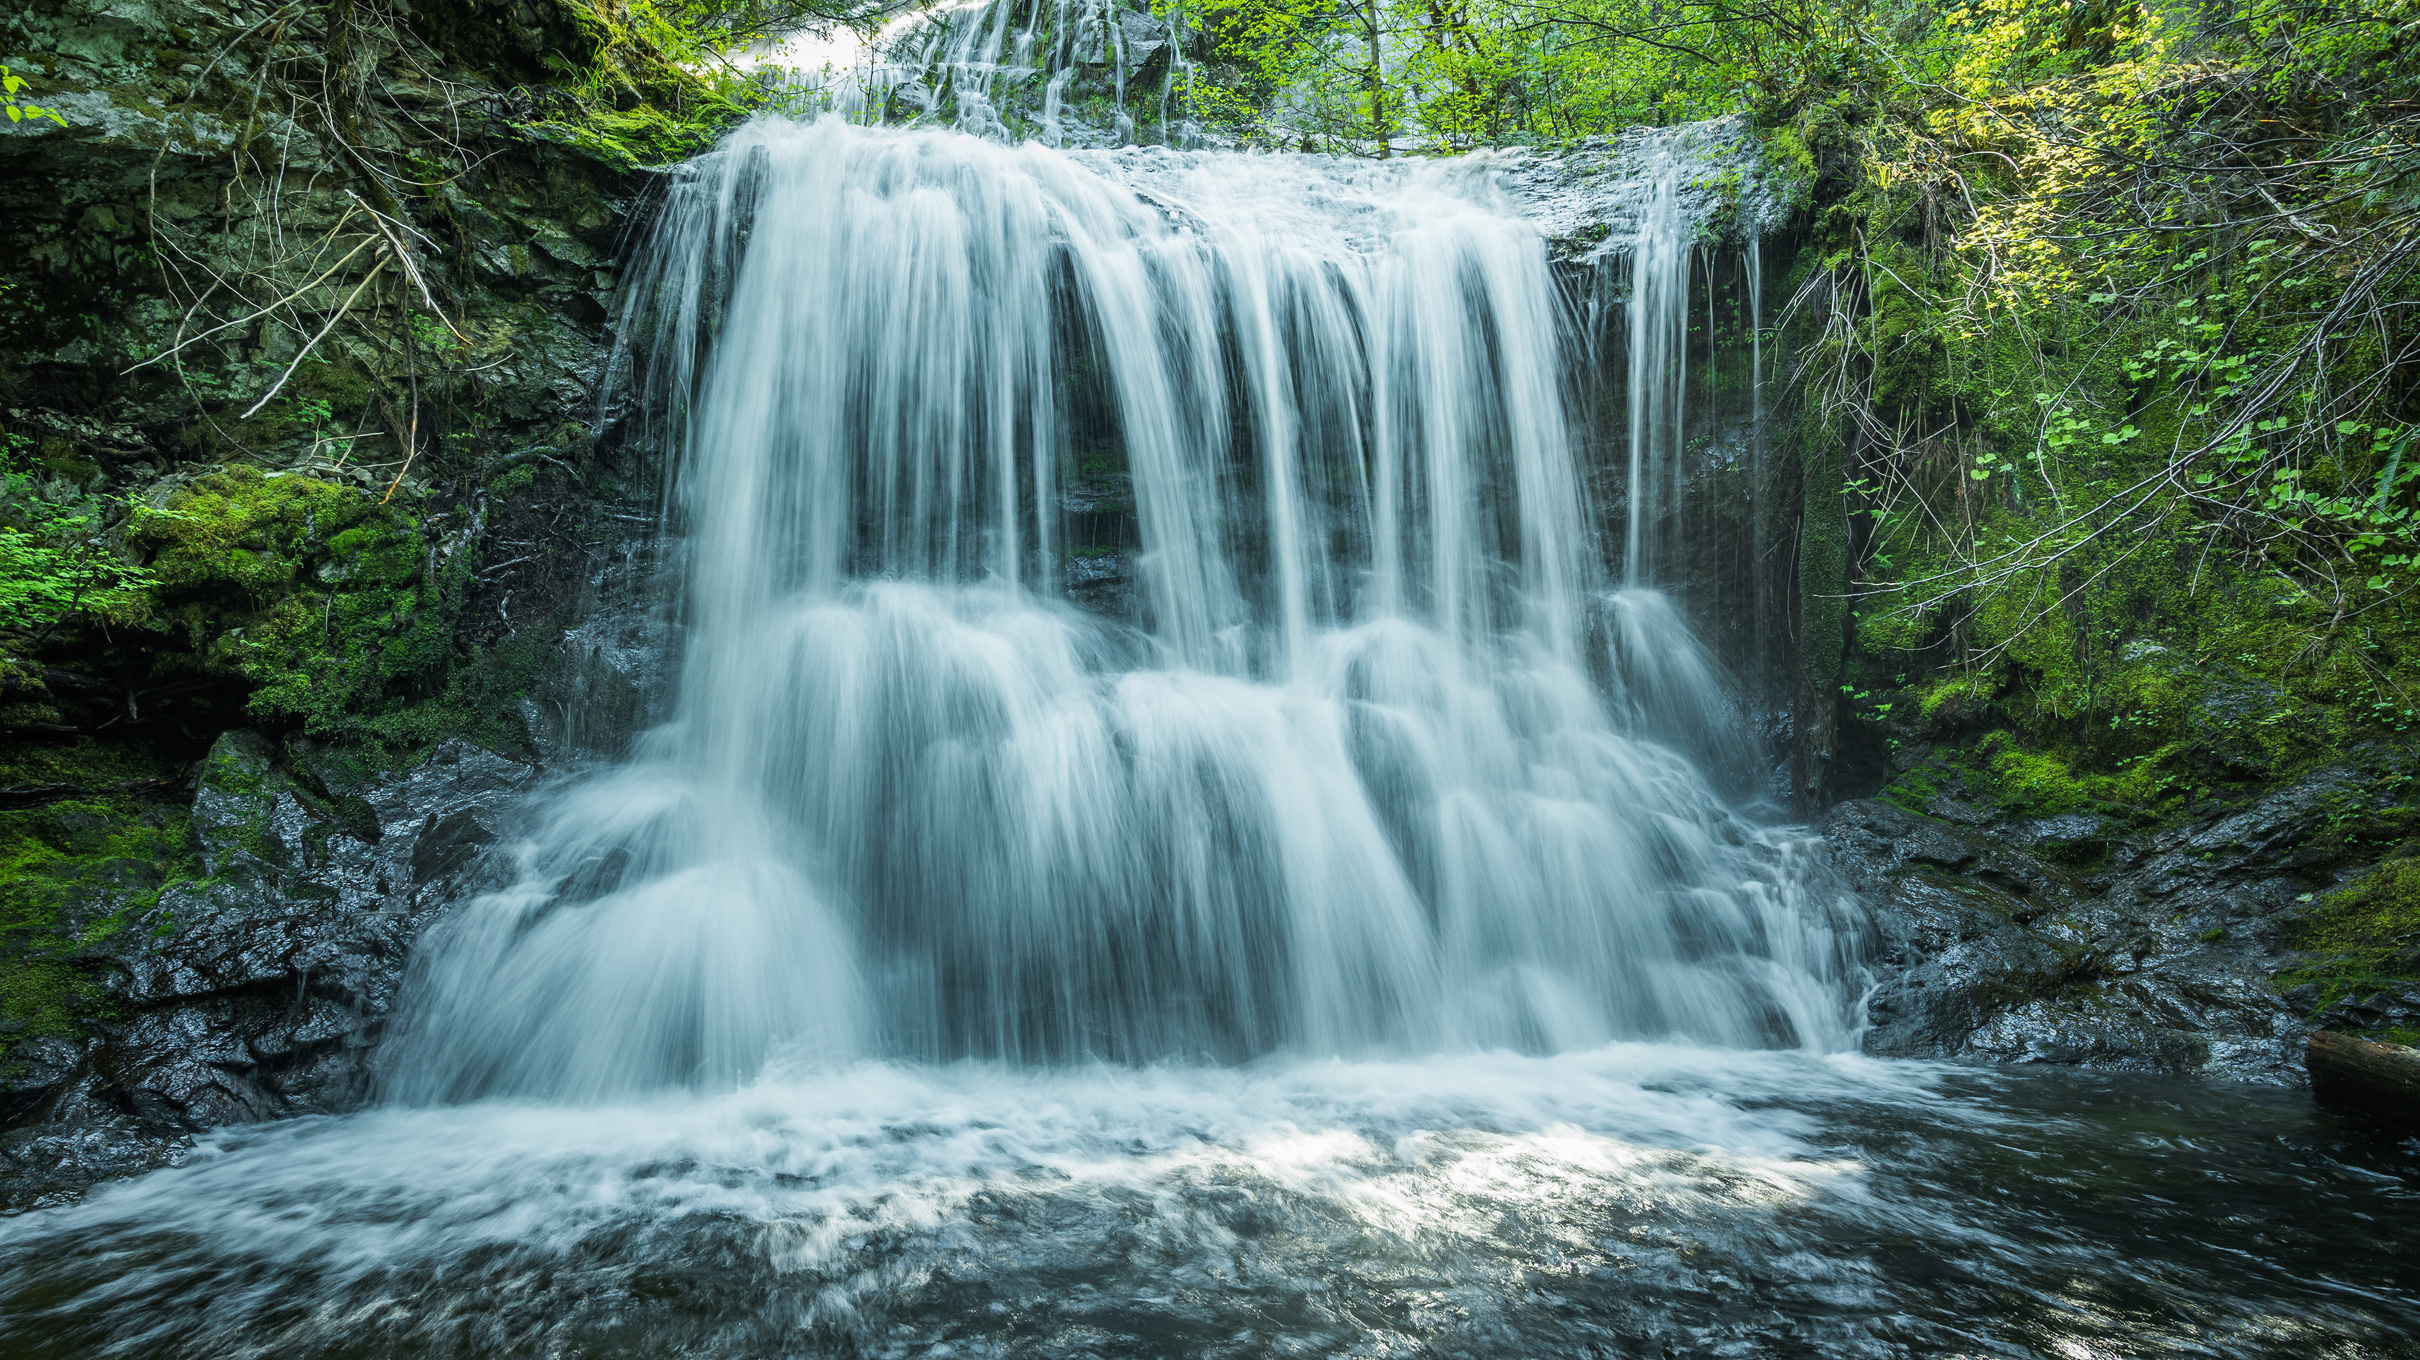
<point x="2380" y="1080"/>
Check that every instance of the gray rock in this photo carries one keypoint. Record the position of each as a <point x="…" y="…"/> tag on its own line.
<point x="54" y="1163"/>
<point x="1141" y="38"/>
<point x="2159" y="962"/>
<point x="38" y="1066"/>
<point x="260" y="991"/>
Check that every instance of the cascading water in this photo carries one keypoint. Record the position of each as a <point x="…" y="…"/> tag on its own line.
<point x="1381" y="763"/>
<point x="1753" y="265"/>
<point x="1224" y="968"/>
<point x="1005" y="69"/>
<point x="1659" y="349"/>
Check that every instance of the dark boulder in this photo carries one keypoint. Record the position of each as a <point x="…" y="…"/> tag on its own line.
<point x="2161" y="962"/>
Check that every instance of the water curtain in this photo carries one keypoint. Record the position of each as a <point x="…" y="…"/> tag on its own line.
<point x="1357" y="746"/>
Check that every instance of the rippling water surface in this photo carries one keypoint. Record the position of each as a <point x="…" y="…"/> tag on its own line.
<point x="1629" y="1201"/>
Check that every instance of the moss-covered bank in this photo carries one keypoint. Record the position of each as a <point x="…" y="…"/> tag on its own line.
<point x="301" y="333"/>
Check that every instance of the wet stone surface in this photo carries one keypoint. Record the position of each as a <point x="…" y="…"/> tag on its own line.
<point x="2071" y="940"/>
<point x="259" y="990"/>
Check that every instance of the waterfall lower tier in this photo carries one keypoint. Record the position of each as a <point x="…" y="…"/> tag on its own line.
<point x="1375" y="759"/>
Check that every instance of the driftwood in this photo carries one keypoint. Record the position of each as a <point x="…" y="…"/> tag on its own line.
<point x="2379" y="1080"/>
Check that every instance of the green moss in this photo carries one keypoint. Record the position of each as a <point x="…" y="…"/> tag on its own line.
<point x="1916" y="789"/>
<point x="511" y="481"/>
<point x="1788" y="147"/>
<point x="74" y="875"/>
<point x="2041" y="783"/>
<point x="41" y="998"/>
<point x="1955" y="696"/>
<point x="80" y="763"/>
<point x="334" y="608"/>
<point x="235" y="772"/>
<point x="2160" y="782"/>
<point x="1891" y="633"/>
<point x="240" y="531"/>
<point x="2362" y="939"/>
<point x="2148" y="673"/>
<point x="2147" y="706"/>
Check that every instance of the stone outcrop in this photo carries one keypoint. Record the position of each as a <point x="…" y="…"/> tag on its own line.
<point x="230" y="811"/>
<point x="260" y="989"/>
<point x="2073" y="939"/>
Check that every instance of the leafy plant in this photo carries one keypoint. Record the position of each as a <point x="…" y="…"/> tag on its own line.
<point x="19" y="110"/>
<point x="56" y="560"/>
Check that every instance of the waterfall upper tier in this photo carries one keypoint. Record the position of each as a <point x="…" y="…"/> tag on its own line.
<point x="1590" y="201"/>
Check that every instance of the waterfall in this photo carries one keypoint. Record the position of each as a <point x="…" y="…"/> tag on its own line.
<point x="1359" y="750"/>
<point x="1003" y="69"/>
<point x="1754" y="265"/>
<point x="1659" y="353"/>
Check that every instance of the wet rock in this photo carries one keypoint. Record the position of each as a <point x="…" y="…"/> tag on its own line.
<point x="1141" y="36"/>
<point x="56" y="1162"/>
<point x="260" y="990"/>
<point x="613" y="673"/>
<point x="1958" y="811"/>
<point x="37" y="1067"/>
<point x="2395" y="1007"/>
<point x="2067" y="839"/>
<point x="1994" y="951"/>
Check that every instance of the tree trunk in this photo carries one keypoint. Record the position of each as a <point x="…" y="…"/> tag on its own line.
<point x="2379" y="1080"/>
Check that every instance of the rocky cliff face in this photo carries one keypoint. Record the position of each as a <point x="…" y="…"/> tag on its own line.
<point x="260" y="989"/>
<point x="304" y="324"/>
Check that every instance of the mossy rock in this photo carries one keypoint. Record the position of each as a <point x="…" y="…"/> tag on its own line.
<point x="2362" y="939"/>
<point x="74" y="876"/>
<point x="330" y="606"/>
<point x="239" y="531"/>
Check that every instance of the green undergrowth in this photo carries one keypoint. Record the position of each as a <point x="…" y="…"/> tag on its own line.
<point x="2134" y="508"/>
<point x="2362" y="939"/>
<point x="50" y="523"/>
<point x="336" y="610"/>
<point x="2166" y="677"/>
<point x="645" y="82"/>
